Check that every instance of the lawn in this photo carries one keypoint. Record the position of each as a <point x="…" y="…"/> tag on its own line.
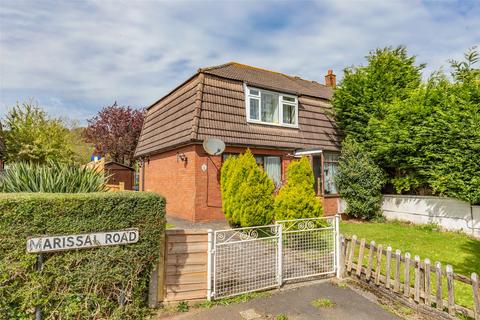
<point x="426" y="241"/>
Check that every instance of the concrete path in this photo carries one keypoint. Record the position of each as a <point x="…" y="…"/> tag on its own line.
<point x="296" y="304"/>
<point x="186" y="224"/>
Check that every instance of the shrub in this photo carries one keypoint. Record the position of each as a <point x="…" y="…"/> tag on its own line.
<point x="247" y="192"/>
<point x="297" y="199"/>
<point x="51" y="177"/>
<point x="78" y="284"/>
<point x="359" y="181"/>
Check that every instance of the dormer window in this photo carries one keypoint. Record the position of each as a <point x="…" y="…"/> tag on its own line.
<point x="273" y="108"/>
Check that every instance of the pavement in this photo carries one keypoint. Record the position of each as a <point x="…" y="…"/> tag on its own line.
<point x="186" y="224"/>
<point x="296" y="304"/>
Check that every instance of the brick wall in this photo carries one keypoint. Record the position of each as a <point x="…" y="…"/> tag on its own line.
<point x="192" y="188"/>
<point x="330" y="205"/>
<point x="174" y="179"/>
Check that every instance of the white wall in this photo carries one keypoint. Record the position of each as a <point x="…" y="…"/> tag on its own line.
<point x="451" y="214"/>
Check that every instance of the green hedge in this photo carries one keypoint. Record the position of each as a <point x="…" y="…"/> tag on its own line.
<point x="78" y="284"/>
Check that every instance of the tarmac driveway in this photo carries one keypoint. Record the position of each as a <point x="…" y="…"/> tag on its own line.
<point x="296" y="304"/>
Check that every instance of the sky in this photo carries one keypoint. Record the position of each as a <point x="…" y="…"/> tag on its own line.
<point x="75" y="57"/>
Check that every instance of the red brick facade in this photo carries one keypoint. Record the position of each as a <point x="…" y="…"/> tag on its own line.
<point x="192" y="185"/>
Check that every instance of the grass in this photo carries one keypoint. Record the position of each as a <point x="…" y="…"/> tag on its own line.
<point x="237" y="299"/>
<point x="426" y="241"/>
<point x="281" y="317"/>
<point x="322" y="303"/>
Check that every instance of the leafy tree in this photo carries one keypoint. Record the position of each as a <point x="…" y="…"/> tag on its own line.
<point x="32" y="136"/>
<point x="296" y="198"/>
<point x="365" y="91"/>
<point x="247" y="192"/>
<point x="359" y="181"/>
<point x="115" y="131"/>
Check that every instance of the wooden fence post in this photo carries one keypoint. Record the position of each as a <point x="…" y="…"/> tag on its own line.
<point x="450" y="288"/>
<point x="379" y="265"/>
<point x="351" y="253"/>
<point x="342" y="256"/>
<point x="161" y="268"/>
<point x="406" y="287"/>
<point x="428" y="301"/>
<point x="438" y="272"/>
<point x="416" y="295"/>
<point x="396" y="285"/>
<point x="370" y="260"/>
<point x="476" y="299"/>
<point x="360" y="257"/>
<point x="387" y="272"/>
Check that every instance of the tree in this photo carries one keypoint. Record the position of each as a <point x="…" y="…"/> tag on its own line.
<point x="297" y="199"/>
<point x="359" y="181"/>
<point x="115" y="131"/>
<point x="30" y="135"/>
<point x="365" y="91"/>
<point x="247" y="192"/>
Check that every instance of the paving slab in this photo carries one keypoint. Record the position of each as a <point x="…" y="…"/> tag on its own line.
<point x="187" y="224"/>
<point x="296" y="304"/>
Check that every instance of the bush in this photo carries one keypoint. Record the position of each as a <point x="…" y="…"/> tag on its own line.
<point x="51" y="177"/>
<point x="297" y="199"/>
<point x="247" y="192"/>
<point x="78" y="284"/>
<point x="359" y="181"/>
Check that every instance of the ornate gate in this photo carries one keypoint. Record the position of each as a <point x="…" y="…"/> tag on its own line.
<point x="258" y="258"/>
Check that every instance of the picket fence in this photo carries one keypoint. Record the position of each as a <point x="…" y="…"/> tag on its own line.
<point x="372" y="268"/>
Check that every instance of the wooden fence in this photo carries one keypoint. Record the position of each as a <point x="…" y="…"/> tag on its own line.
<point x="183" y="271"/>
<point x="374" y="265"/>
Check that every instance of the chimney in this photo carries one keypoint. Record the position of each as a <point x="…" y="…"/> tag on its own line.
<point x="330" y="79"/>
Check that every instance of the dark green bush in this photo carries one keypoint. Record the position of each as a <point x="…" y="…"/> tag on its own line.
<point x="359" y="181"/>
<point x="247" y="192"/>
<point x="51" y="177"/>
<point x="297" y="199"/>
<point x="78" y="284"/>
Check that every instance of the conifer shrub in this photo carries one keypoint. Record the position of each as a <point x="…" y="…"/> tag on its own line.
<point x="297" y="199"/>
<point x="247" y="192"/>
<point x="359" y="181"/>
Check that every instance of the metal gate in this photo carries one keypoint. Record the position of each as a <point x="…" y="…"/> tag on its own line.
<point x="258" y="258"/>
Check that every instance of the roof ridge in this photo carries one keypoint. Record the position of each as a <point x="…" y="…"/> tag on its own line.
<point x="242" y="65"/>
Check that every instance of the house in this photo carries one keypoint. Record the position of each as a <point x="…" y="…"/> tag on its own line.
<point x="118" y="173"/>
<point x="279" y="117"/>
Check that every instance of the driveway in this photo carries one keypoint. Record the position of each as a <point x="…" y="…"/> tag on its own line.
<point x="296" y="304"/>
<point x="186" y="224"/>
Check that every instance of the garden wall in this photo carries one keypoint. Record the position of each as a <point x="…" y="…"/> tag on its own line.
<point x="451" y="214"/>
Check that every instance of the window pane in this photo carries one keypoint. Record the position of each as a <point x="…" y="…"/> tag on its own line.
<point x="254" y="109"/>
<point x="254" y="92"/>
<point x="288" y="99"/>
<point x="289" y="114"/>
<point x="273" y="168"/>
<point x="331" y="156"/>
<point x="329" y="171"/>
<point x="269" y="107"/>
<point x="259" y="160"/>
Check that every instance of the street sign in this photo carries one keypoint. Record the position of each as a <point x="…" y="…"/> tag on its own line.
<point x="81" y="241"/>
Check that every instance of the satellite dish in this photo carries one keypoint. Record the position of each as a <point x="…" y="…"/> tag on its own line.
<point x="213" y="147"/>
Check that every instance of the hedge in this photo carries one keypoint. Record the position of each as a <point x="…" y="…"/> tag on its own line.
<point x="78" y="284"/>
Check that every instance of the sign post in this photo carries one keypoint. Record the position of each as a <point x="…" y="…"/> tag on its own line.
<point x="78" y="241"/>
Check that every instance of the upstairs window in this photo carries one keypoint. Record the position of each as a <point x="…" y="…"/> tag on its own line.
<point x="272" y="108"/>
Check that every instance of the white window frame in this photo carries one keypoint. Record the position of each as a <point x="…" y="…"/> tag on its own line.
<point x="281" y="102"/>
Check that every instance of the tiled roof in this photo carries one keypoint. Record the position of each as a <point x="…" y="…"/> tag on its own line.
<point x="270" y="80"/>
<point x="212" y="104"/>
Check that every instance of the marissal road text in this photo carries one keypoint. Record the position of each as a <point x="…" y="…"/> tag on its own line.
<point x="81" y="241"/>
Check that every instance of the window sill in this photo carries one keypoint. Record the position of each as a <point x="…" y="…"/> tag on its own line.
<point x="286" y="126"/>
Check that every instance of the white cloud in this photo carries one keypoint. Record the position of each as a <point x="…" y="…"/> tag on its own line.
<point x="75" y="57"/>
